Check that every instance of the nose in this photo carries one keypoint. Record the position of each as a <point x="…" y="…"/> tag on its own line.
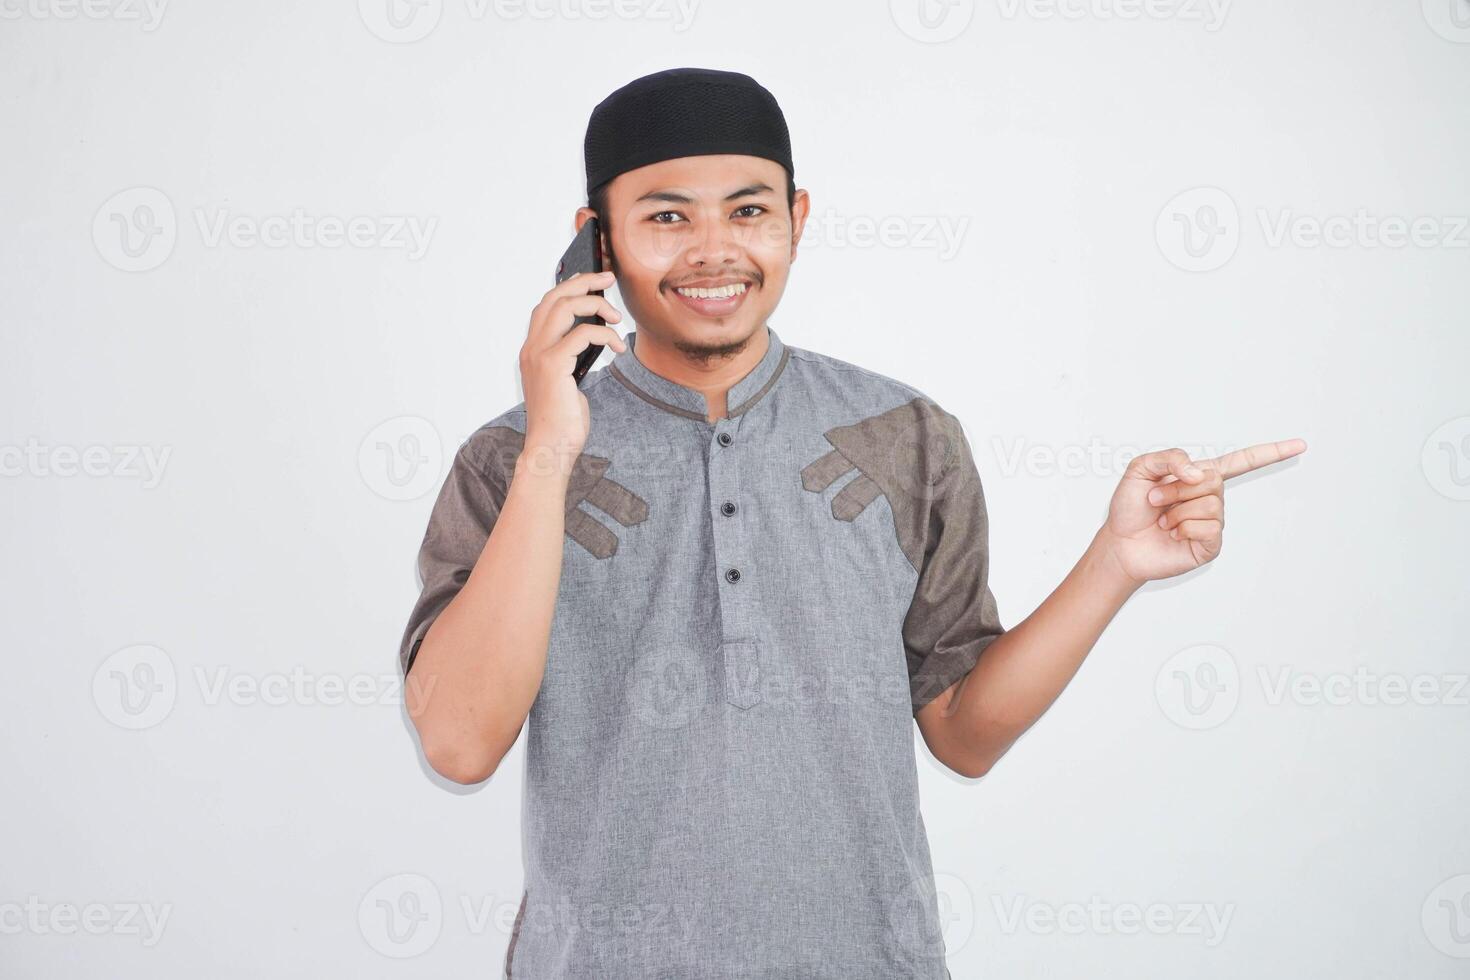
<point x="714" y="244"/>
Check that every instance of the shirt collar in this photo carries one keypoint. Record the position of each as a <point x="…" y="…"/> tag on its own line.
<point x="688" y="402"/>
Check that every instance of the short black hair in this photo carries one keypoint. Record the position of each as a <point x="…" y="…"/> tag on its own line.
<point x="597" y="201"/>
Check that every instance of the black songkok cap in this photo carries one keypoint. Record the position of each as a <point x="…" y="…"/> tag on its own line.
<point x="683" y="112"/>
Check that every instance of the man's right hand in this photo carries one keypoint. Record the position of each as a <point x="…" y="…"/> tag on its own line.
<point x="557" y="414"/>
<point x="481" y="662"/>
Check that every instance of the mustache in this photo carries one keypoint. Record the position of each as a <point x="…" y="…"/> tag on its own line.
<point x="753" y="275"/>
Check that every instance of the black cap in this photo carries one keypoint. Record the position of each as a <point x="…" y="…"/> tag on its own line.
<point x="683" y="112"/>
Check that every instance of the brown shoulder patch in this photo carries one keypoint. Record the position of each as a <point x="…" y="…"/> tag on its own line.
<point x="904" y="454"/>
<point x="589" y="482"/>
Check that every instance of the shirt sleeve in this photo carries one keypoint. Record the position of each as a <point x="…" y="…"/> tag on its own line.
<point x="953" y="615"/>
<point x="464" y="514"/>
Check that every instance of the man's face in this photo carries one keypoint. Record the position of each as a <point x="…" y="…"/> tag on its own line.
<point x="702" y="246"/>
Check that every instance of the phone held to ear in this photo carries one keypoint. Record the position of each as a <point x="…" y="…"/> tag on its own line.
<point x="584" y="255"/>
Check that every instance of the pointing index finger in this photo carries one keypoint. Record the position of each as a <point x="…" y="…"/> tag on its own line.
<point x="1254" y="457"/>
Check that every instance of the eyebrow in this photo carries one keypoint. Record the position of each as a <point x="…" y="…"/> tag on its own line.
<point x="674" y="197"/>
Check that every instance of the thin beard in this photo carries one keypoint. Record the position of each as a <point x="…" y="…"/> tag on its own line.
<point x="705" y="353"/>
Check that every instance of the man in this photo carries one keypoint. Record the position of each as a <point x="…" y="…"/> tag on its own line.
<point x="719" y="581"/>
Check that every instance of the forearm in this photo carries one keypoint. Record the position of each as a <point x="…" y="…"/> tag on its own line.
<point x="480" y="665"/>
<point x="1022" y="672"/>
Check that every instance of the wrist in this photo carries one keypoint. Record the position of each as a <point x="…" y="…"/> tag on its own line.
<point x="546" y="461"/>
<point x="1105" y="556"/>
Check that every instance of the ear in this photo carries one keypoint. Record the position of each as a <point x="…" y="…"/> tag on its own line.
<point x="585" y="214"/>
<point x="801" y="206"/>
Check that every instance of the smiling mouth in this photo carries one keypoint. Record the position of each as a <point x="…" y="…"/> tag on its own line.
<point x="711" y="292"/>
<point x="713" y="301"/>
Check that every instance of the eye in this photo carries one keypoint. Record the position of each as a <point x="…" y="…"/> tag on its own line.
<point x="758" y="209"/>
<point x="656" y="218"/>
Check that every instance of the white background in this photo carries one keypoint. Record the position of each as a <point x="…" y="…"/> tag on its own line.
<point x="1065" y="322"/>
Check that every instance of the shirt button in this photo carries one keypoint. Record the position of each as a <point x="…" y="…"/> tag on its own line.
<point x="725" y="438"/>
<point x="732" y="575"/>
<point x="727" y="508"/>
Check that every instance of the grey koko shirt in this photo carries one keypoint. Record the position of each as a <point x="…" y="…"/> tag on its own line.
<point x="721" y="778"/>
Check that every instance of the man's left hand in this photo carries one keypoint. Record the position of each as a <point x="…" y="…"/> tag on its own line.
<point x="1168" y="513"/>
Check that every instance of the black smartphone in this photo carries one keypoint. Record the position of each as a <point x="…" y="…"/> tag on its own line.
<point x="584" y="255"/>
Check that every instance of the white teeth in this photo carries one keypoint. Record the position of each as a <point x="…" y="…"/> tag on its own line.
<point x="721" y="292"/>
